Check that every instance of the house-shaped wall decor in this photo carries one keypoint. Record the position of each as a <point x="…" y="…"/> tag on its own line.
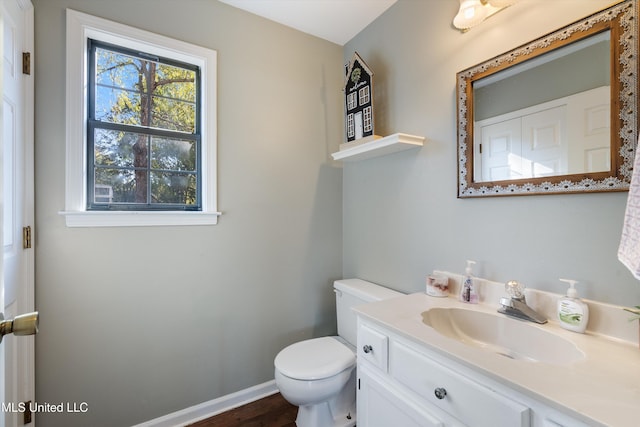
<point x="358" y="93"/>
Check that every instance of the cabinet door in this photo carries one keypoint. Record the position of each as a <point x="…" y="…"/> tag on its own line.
<point x="381" y="405"/>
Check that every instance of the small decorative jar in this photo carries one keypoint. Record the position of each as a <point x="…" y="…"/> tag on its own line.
<point x="437" y="285"/>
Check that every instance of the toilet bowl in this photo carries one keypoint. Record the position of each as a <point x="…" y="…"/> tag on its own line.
<point x="319" y="375"/>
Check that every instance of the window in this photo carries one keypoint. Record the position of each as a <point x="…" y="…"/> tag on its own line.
<point x="350" y="126"/>
<point x="364" y="95"/>
<point x="352" y="101"/>
<point x="368" y="119"/>
<point x="141" y="130"/>
<point x="143" y="139"/>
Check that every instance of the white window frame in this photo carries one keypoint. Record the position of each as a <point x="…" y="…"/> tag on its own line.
<point x="352" y="101"/>
<point x="80" y="28"/>
<point x="350" y="125"/>
<point x="364" y="95"/>
<point x="368" y="119"/>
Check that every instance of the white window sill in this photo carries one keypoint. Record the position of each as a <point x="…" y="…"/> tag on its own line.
<point x="137" y="219"/>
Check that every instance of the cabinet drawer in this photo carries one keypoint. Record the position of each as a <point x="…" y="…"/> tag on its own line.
<point x="473" y="404"/>
<point x="373" y="346"/>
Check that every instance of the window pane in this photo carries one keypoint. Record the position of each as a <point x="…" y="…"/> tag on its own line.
<point x="174" y="99"/>
<point x="123" y="171"/>
<point x="173" y="114"/>
<point x="173" y="154"/>
<point x="120" y="81"/>
<point x="121" y="161"/>
<point x="120" y="149"/>
<point x="175" y="82"/>
<point x="114" y="186"/>
<point x="118" y="70"/>
<point x="140" y="92"/>
<point x="118" y="106"/>
<point x="179" y="188"/>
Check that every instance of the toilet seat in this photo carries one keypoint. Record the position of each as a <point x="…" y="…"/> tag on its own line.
<point x="315" y="359"/>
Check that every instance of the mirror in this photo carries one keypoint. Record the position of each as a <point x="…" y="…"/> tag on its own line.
<point x="558" y="115"/>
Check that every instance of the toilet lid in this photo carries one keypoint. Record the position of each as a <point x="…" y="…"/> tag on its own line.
<point x="314" y="359"/>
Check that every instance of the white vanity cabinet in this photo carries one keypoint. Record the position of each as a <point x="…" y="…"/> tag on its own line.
<point x="401" y="383"/>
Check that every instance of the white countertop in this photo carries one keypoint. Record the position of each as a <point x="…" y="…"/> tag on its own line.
<point x="603" y="389"/>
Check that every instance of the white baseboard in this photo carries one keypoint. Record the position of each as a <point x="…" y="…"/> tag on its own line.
<point x="213" y="407"/>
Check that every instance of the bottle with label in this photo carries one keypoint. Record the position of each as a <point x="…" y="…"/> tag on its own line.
<point x="573" y="313"/>
<point x="468" y="291"/>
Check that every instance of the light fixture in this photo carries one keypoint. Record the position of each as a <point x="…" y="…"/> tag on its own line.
<point x="473" y="12"/>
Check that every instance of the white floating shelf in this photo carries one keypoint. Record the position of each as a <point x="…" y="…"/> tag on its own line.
<point x="379" y="147"/>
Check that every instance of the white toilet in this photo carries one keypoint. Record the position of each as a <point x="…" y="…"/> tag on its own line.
<point x="319" y="375"/>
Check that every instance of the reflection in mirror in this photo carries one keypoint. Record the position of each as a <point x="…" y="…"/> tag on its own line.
<point x="530" y="119"/>
<point x="555" y="116"/>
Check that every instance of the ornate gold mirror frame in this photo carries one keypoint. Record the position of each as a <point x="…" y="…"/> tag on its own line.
<point x="621" y="21"/>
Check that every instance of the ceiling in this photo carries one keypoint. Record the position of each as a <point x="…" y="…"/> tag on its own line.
<point x="335" y="20"/>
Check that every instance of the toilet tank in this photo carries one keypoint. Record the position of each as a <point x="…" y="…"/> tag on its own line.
<point x="352" y="292"/>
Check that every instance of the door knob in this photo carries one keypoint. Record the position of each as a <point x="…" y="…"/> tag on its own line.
<point x="25" y="324"/>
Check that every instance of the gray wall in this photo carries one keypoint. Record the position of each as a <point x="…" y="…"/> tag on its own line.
<point x="142" y="322"/>
<point x="401" y="217"/>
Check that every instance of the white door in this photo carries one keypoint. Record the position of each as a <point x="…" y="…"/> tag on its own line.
<point x="499" y="152"/>
<point x="545" y="151"/>
<point x="528" y="143"/>
<point x="589" y="121"/>
<point x="359" y="125"/>
<point x="17" y="296"/>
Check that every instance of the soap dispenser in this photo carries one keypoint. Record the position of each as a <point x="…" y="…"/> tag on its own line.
<point x="468" y="291"/>
<point x="573" y="313"/>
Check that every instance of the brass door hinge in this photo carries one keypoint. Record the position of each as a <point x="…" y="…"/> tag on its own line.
<point x="26" y="237"/>
<point x="26" y="414"/>
<point x="26" y="63"/>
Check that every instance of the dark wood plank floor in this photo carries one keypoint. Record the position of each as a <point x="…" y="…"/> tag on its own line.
<point x="272" y="411"/>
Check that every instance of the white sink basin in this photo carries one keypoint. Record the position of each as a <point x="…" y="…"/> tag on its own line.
<point x="512" y="338"/>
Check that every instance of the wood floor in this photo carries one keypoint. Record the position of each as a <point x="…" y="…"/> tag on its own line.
<point x="272" y="411"/>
